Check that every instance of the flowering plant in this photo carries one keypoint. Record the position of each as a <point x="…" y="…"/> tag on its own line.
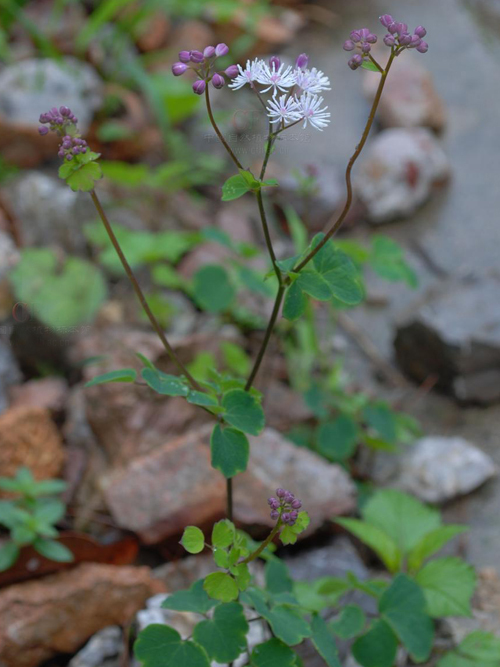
<point x="230" y="599"/>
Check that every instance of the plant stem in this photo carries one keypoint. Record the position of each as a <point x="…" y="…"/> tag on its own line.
<point x="140" y="295"/>
<point x="229" y="498"/>
<point x="264" y="544"/>
<point x="218" y="132"/>
<point x="350" y="165"/>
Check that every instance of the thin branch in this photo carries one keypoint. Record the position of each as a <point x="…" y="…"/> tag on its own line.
<point x="264" y="544"/>
<point x="219" y="133"/>
<point x="140" y="295"/>
<point x="350" y="165"/>
<point x="229" y="498"/>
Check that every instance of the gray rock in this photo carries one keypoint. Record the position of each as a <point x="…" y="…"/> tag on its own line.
<point x="32" y="86"/>
<point x="10" y="373"/>
<point x="9" y="254"/>
<point x="335" y="559"/>
<point x="438" y="469"/>
<point x="399" y="173"/>
<point x="49" y="212"/>
<point x="102" y="650"/>
<point x="455" y="337"/>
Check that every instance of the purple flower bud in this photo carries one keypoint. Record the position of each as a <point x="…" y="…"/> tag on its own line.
<point x="274" y="515"/>
<point x="355" y="36"/>
<point x="184" y="56"/>
<point x="69" y="157"/>
<point x="365" y="47"/>
<point x="42" y="130"/>
<point x="196" y="57"/>
<point x="65" y="111"/>
<point x="349" y="45"/>
<point x="294" y="515"/>
<point x="232" y="71"/>
<point x="415" y="41"/>
<point x="401" y="28"/>
<point x="389" y="40"/>
<point x="302" y="61"/>
<point x="274" y="62"/>
<point x="209" y="51"/>
<point x="405" y="39"/>
<point x="271" y="501"/>
<point x="393" y="28"/>
<point x="288" y="497"/>
<point x="386" y="20"/>
<point x="179" y="68"/>
<point x="420" y="31"/>
<point x="285" y="517"/>
<point x="372" y="39"/>
<point x="280" y="493"/>
<point x="221" y="50"/>
<point x="297" y="504"/>
<point x="423" y="47"/>
<point x="199" y="86"/>
<point x="218" y="81"/>
<point x="355" y="62"/>
<point x="363" y="33"/>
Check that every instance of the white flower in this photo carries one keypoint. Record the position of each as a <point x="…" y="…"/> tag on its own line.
<point x="283" y="109"/>
<point x="277" y="79"/>
<point x="312" y="80"/>
<point x="309" y="108"/>
<point x="247" y="75"/>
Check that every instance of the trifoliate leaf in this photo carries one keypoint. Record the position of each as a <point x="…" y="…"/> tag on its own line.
<point x="374" y="537"/>
<point x="124" y="375"/>
<point x="289" y="533"/>
<point x="339" y="272"/>
<point x="223" y="636"/>
<point x="162" y="646"/>
<point x="223" y="534"/>
<point x="295" y="303"/>
<point x="278" y="579"/>
<point x="221" y="586"/>
<point x="337" y="439"/>
<point x="242" y="576"/>
<point x="193" y="540"/>
<point x="243" y="411"/>
<point x="315" y="285"/>
<point x="432" y="542"/>
<point x="230" y="450"/>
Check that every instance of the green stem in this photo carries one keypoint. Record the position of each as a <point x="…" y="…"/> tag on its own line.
<point x="350" y="165"/>
<point x="229" y="498"/>
<point x="140" y="295"/>
<point x="255" y="554"/>
<point x="218" y="132"/>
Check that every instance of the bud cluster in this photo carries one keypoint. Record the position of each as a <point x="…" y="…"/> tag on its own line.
<point x="202" y="63"/>
<point x="399" y="37"/>
<point x="63" y="121"/>
<point x="286" y="506"/>
<point x="360" y="40"/>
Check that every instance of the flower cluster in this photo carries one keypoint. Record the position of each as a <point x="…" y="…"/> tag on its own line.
<point x="286" y="506"/>
<point x="295" y="90"/>
<point x="399" y="37"/>
<point x="64" y="122"/>
<point x="361" y="41"/>
<point x="202" y="64"/>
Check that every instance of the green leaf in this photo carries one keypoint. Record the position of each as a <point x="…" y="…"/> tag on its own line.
<point x="201" y="398"/>
<point x="272" y="653"/>
<point x="22" y="534"/>
<point x="242" y="575"/>
<point x="223" y="534"/>
<point x="400" y="516"/>
<point x="278" y="578"/>
<point x="339" y="272"/>
<point x="162" y="646"/>
<point x="9" y="553"/>
<point x="235" y="358"/>
<point x="448" y="585"/>
<point x="243" y="411"/>
<point x="315" y="285"/>
<point x="287" y="624"/>
<point x="164" y="384"/>
<point x="49" y="511"/>
<point x="387" y="260"/>
<point x="124" y="375"/>
<point x="193" y="540"/>
<point x="367" y="64"/>
<point x="337" y="439"/>
<point x="221" y="586"/>
<point x="223" y="636"/>
<point x="193" y="599"/>
<point x="48" y="487"/>
<point x="381" y="418"/>
<point x="295" y="303"/>
<point x="334" y="586"/>
<point x="289" y="533"/>
<point x="229" y="451"/>
<point x="235" y="187"/>
<point x="432" y="542"/>
<point x="85" y="178"/>
<point x="270" y="183"/>
<point x="376" y="648"/>
<point x="350" y="622"/>
<point x="483" y="648"/>
<point x="403" y="607"/>
<point x="53" y="550"/>
<point x="384" y="546"/>
<point x="324" y="642"/>
<point x="212" y="289"/>
<point x="60" y="293"/>
<point x="249" y="178"/>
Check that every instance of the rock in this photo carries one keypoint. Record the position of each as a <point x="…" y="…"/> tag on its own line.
<point x="437" y="469"/>
<point x="49" y="213"/>
<point x="410" y="98"/>
<point x="462" y="352"/>
<point x="32" y="86"/>
<point x="49" y="393"/>
<point x="9" y="254"/>
<point x="102" y="650"/>
<point x="28" y="437"/>
<point x="399" y="173"/>
<point x="284" y="407"/>
<point x="58" y="613"/>
<point x="10" y="373"/>
<point x="335" y="559"/>
<point x="158" y="494"/>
